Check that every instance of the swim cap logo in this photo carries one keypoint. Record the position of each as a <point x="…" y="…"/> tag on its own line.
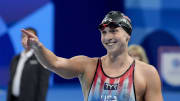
<point x="125" y="21"/>
<point x="106" y="19"/>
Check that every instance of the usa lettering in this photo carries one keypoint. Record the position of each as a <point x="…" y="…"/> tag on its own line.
<point x="108" y="98"/>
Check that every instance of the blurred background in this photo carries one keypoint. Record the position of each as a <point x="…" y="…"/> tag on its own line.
<point x="69" y="28"/>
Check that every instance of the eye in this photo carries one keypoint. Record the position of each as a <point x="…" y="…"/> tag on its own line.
<point x="113" y="30"/>
<point x="103" y="32"/>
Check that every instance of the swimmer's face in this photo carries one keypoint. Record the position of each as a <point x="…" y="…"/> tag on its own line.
<point x="114" y="39"/>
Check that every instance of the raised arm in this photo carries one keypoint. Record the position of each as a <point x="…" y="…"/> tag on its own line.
<point x="67" y="68"/>
<point x="153" y="87"/>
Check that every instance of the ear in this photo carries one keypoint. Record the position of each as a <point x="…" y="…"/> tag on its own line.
<point x="127" y="38"/>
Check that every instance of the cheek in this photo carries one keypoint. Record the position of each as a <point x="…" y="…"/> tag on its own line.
<point x="124" y="40"/>
<point x="23" y="44"/>
<point x="24" y="40"/>
<point x="121" y="39"/>
<point x="124" y="37"/>
<point x="102" y="39"/>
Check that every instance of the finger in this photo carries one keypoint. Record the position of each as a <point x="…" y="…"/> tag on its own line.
<point x="32" y="40"/>
<point x="29" y="34"/>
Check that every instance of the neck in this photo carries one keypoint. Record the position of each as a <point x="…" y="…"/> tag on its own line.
<point x="119" y="60"/>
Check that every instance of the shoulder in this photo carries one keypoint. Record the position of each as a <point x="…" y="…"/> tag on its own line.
<point x="147" y="71"/>
<point x="146" y="68"/>
<point x="16" y="57"/>
<point x="89" y="64"/>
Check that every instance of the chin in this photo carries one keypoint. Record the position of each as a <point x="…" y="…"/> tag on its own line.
<point x="115" y="51"/>
<point x="112" y="50"/>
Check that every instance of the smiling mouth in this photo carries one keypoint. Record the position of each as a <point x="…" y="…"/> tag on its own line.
<point x="110" y="43"/>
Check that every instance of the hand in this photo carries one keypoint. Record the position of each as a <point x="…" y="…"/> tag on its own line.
<point x="32" y="40"/>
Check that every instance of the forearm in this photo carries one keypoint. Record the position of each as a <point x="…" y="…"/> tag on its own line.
<point x="66" y="68"/>
<point x="45" y="56"/>
<point x="49" y="60"/>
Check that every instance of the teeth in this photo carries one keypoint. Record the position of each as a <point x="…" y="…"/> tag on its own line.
<point x="110" y="43"/>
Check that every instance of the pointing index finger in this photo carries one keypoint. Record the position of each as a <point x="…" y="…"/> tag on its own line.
<point x="29" y="34"/>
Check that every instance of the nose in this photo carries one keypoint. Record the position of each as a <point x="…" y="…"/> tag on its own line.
<point x="108" y="36"/>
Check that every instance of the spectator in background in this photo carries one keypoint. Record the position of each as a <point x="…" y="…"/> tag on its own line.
<point x="28" y="79"/>
<point x="138" y="52"/>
